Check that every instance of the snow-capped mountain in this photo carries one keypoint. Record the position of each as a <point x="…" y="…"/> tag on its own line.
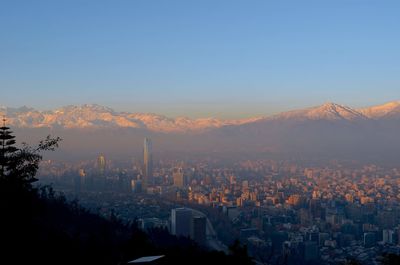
<point x="330" y="130"/>
<point x="327" y="111"/>
<point x="96" y="116"/>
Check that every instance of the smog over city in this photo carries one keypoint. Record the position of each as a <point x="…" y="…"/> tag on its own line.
<point x="200" y="132"/>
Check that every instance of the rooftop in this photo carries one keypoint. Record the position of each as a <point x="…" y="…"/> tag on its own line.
<point x="147" y="259"/>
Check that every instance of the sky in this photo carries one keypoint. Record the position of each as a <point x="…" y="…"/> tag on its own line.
<point x="221" y="58"/>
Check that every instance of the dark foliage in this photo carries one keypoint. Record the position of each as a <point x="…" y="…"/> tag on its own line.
<point x="18" y="166"/>
<point x="390" y="259"/>
<point x="39" y="227"/>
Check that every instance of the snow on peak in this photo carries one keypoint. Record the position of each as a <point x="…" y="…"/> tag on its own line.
<point x="327" y="111"/>
<point x="97" y="116"/>
<point x="387" y="110"/>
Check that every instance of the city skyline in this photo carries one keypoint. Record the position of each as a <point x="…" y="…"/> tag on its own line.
<point x="200" y="132"/>
<point x="225" y="59"/>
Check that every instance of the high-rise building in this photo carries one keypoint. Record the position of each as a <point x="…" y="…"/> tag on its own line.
<point x="99" y="180"/>
<point x="136" y="186"/>
<point x="178" y="177"/>
<point x="198" y="234"/>
<point x="80" y="180"/>
<point x="149" y="223"/>
<point x="369" y="239"/>
<point x="388" y="236"/>
<point x="101" y="164"/>
<point x="181" y="222"/>
<point x="147" y="161"/>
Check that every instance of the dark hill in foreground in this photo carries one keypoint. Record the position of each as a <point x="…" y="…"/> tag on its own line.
<point x="38" y="227"/>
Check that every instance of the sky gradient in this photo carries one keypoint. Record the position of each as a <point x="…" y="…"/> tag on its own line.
<point x="199" y="58"/>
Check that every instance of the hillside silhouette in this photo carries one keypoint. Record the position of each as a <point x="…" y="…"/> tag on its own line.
<point x="38" y="226"/>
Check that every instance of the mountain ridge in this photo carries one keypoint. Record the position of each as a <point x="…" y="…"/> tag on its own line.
<point x="98" y="116"/>
<point x="326" y="111"/>
<point x="386" y="110"/>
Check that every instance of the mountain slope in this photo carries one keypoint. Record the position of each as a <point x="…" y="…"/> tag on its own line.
<point x="328" y="111"/>
<point x="330" y="130"/>
<point x="385" y="111"/>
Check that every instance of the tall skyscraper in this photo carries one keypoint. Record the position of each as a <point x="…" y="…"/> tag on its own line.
<point x="100" y="179"/>
<point x="181" y="221"/>
<point x="178" y="177"/>
<point x="101" y="164"/>
<point x="148" y="161"/>
<point x="82" y="179"/>
<point x="198" y="231"/>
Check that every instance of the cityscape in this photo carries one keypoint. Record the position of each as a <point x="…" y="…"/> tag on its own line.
<point x="237" y="132"/>
<point x="284" y="211"/>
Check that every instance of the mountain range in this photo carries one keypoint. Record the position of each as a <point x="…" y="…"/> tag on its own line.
<point x="96" y="116"/>
<point x="327" y="131"/>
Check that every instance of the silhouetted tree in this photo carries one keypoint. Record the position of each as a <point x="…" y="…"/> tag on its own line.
<point x="23" y="212"/>
<point x="18" y="166"/>
<point x="8" y="149"/>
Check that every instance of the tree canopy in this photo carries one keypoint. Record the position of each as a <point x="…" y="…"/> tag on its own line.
<point x="18" y="166"/>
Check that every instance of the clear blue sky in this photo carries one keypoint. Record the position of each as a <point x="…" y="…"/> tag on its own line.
<point x="199" y="58"/>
